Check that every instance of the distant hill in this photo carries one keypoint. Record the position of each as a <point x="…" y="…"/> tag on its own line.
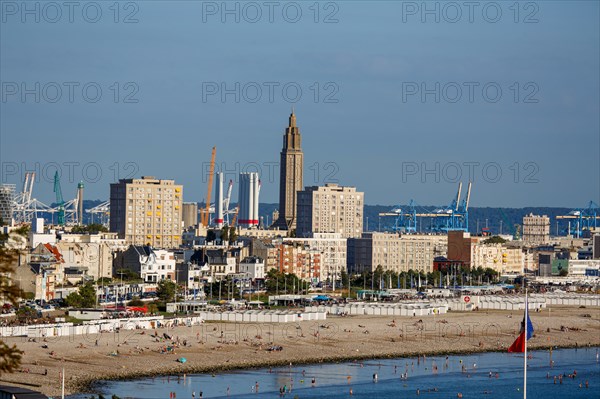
<point x="508" y="216"/>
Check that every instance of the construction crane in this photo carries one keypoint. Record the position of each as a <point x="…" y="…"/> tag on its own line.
<point x="205" y="216"/>
<point x="237" y="209"/>
<point x="586" y="219"/>
<point x="60" y="203"/>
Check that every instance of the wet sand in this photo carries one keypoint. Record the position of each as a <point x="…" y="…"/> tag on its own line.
<point x="213" y="347"/>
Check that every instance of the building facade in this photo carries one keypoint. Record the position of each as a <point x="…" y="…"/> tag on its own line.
<point x="499" y="257"/>
<point x="253" y="267"/>
<point x="330" y="209"/>
<point x="152" y="265"/>
<point x="536" y="229"/>
<point x="393" y="252"/>
<point x="332" y="249"/>
<point x="291" y="175"/>
<point x="147" y="211"/>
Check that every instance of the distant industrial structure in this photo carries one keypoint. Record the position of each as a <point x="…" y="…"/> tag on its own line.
<point x="248" y="199"/>
<point x="450" y="218"/>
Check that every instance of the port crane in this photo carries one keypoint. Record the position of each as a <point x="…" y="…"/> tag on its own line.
<point x="453" y="217"/>
<point x="585" y="219"/>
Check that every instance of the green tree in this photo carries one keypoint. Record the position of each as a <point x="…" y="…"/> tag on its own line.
<point x="74" y="300"/>
<point x="127" y="274"/>
<point x="225" y="233"/>
<point x="88" y="295"/>
<point x="211" y="236"/>
<point x="563" y="273"/>
<point x="136" y="302"/>
<point x="494" y="240"/>
<point x="10" y="356"/>
<point x="152" y="308"/>
<point x="166" y="290"/>
<point x="84" y="298"/>
<point x="232" y="234"/>
<point x="92" y="228"/>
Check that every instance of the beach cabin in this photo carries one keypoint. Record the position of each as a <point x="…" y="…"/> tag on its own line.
<point x="7" y="392"/>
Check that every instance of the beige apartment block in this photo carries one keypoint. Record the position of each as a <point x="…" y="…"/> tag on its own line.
<point x="330" y="209"/>
<point x="394" y="252"/>
<point x="536" y="229"/>
<point x="502" y="259"/>
<point x="147" y="211"/>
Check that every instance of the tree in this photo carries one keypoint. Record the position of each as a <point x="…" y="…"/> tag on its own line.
<point x="92" y="228"/>
<point x="225" y="233"/>
<point x="166" y="290"/>
<point x="211" y="236"/>
<point x="136" y="301"/>
<point x="494" y="240"/>
<point x="84" y="298"/>
<point x="232" y="234"/>
<point x="74" y="300"/>
<point x="152" y="308"/>
<point x="10" y="356"/>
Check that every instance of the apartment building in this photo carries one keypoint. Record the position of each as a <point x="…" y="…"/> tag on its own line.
<point x="330" y="209"/>
<point x="147" y="211"/>
<point x="398" y="253"/>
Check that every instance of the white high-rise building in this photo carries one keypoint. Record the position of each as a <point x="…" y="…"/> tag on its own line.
<point x="248" y="199"/>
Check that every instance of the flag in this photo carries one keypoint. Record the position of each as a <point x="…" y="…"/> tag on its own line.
<point x="519" y="344"/>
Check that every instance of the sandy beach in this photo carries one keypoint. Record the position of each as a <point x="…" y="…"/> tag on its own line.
<point x="219" y="346"/>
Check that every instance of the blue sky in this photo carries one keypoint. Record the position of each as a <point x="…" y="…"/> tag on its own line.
<point x="388" y="117"/>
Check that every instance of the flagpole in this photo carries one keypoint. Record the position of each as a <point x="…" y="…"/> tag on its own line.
<point x="525" y="352"/>
<point x="63" y="383"/>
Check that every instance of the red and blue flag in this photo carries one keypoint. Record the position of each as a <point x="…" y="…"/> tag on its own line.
<point x="526" y="330"/>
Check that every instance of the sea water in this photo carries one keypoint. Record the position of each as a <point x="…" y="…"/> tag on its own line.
<point x="484" y="375"/>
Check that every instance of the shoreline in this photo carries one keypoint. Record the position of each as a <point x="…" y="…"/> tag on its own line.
<point x="90" y="387"/>
<point x="220" y="347"/>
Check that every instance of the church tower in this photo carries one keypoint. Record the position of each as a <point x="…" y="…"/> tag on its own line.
<point x="290" y="178"/>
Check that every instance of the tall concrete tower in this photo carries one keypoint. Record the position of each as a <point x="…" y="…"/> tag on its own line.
<point x="80" y="203"/>
<point x="290" y="178"/>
